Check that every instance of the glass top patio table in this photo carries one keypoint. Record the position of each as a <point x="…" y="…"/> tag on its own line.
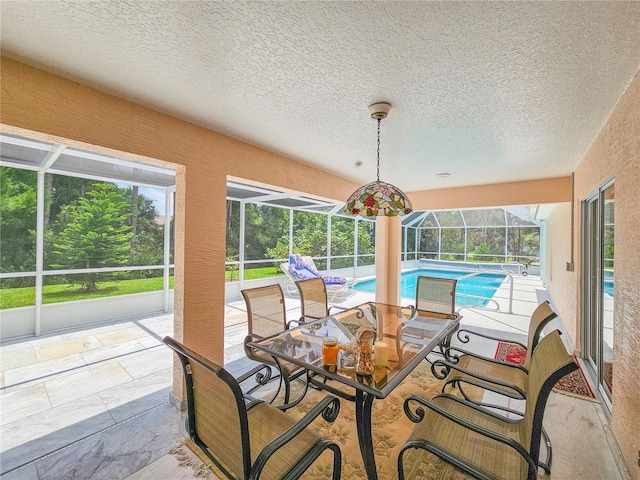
<point x="410" y="335"/>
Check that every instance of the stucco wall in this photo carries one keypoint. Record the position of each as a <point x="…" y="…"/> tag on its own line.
<point x="614" y="153"/>
<point x="527" y="192"/>
<point x="560" y="282"/>
<point x="44" y="106"/>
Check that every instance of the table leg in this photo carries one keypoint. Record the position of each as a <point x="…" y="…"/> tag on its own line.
<point x="364" y="404"/>
<point x="444" y="348"/>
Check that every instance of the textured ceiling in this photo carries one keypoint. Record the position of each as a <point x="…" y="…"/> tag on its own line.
<point x="489" y="92"/>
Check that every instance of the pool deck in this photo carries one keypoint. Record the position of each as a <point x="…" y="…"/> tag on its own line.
<point x="93" y="403"/>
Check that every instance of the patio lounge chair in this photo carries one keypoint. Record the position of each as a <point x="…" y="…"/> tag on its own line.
<point x="480" y="442"/>
<point x="303" y="268"/>
<point x="244" y="437"/>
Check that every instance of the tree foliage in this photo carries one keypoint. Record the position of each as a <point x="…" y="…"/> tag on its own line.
<point x="17" y="221"/>
<point x="264" y="226"/>
<point x="97" y="234"/>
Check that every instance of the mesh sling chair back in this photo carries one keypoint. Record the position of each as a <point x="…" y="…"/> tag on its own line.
<point x="266" y="316"/>
<point x="247" y="438"/>
<point x="483" y="443"/>
<point x="265" y="310"/>
<point x="314" y="301"/>
<point x="313" y="298"/>
<point x="436" y="294"/>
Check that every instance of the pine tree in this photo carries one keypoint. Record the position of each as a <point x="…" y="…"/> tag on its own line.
<point x="98" y="234"/>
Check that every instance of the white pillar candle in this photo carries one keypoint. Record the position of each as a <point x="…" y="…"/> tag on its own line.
<point x="381" y="354"/>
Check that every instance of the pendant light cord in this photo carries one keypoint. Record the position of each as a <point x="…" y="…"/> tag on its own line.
<point x="378" y="167"/>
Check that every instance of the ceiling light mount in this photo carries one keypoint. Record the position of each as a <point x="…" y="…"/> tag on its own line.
<point x="378" y="198"/>
<point x="379" y="110"/>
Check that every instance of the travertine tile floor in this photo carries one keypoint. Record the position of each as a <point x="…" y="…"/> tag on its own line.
<point x="94" y="403"/>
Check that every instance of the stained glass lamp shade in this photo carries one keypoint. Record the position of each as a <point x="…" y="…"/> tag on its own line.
<point x="378" y="198"/>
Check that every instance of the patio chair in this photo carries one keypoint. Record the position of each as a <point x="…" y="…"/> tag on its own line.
<point x="314" y="301"/>
<point x="463" y="366"/>
<point x="505" y="378"/>
<point x="436" y="294"/>
<point x="244" y="437"/>
<point x="480" y="442"/>
<point x="266" y="316"/>
<point x="545" y="315"/>
<point x="303" y="268"/>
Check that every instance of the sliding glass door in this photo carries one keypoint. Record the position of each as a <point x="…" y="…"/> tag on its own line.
<point x="598" y="279"/>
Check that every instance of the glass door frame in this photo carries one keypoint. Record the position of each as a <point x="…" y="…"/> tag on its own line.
<point x="592" y="291"/>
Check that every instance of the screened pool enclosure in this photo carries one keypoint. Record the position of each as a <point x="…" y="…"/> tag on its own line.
<point x="264" y="227"/>
<point x="47" y="187"/>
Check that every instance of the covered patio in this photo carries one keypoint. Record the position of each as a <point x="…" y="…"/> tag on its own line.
<point x="87" y="403"/>
<point x="494" y="104"/>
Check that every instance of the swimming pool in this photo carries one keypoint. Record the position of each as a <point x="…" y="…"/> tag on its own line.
<point x="482" y="285"/>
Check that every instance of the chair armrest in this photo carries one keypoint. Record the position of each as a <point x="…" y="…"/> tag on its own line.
<point x="485" y="405"/>
<point x="448" y="366"/>
<point x="418" y="415"/>
<point x="329" y="407"/>
<point x="290" y="323"/>
<point x="261" y="378"/>
<point x="248" y="351"/>
<point x="466" y="338"/>
<point x="474" y="406"/>
<point x="455" y="358"/>
<point x="337" y="308"/>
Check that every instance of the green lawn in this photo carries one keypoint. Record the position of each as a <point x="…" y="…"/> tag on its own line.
<point x="255" y="273"/>
<point x="23" y="297"/>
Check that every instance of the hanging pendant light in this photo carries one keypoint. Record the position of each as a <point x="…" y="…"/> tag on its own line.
<point x="378" y="198"/>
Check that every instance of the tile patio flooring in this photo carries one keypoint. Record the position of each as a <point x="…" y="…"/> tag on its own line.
<point x="94" y="403"/>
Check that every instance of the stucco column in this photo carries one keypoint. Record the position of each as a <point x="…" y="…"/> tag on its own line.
<point x="199" y="267"/>
<point x="388" y="259"/>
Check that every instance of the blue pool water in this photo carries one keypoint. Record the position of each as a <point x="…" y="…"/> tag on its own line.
<point x="608" y="288"/>
<point x="483" y="285"/>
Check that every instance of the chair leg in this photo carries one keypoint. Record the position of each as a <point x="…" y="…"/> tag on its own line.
<point x="286" y="406"/>
<point x="287" y="387"/>
<point x="337" y="462"/>
<point x="287" y="396"/>
<point x="401" y="465"/>
<point x="547" y="443"/>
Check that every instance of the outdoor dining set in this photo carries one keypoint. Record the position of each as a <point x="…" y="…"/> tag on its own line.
<point x="359" y="355"/>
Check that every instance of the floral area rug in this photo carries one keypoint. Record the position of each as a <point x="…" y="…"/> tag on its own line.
<point x="390" y="430"/>
<point x="573" y="384"/>
<point x="390" y="427"/>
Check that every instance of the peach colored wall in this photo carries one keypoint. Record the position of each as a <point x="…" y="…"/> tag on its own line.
<point x="561" y="283"/>
<point x="529" y="192"/>
<point x="44" y="106"/>
<point x="616" y="153"/>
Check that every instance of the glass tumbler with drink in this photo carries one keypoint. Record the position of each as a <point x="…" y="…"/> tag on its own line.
<point x="330" y="351"/>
